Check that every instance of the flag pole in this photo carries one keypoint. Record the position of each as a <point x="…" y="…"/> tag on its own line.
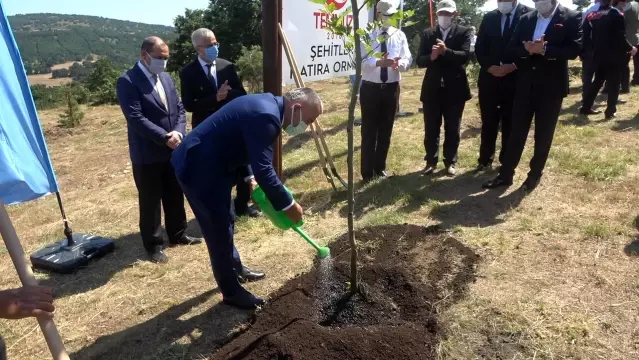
<point x="11" y="241"/>
<point x="399" y="112"/>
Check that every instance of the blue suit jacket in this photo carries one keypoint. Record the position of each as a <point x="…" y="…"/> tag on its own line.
<point x="148" y="121"/>
<point x="239" y="134"/>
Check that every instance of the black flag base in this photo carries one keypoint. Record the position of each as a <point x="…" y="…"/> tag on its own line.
<point x="64" y="258"/>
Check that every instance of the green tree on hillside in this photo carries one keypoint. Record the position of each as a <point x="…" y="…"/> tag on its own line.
<point x="582" y="4"/>
<point x="250" y="68"/>
<point x="182" y="51"/>
<point x="101" y="83"/>
<point x="72" y="115"/>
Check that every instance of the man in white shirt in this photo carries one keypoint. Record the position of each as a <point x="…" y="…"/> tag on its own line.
<point x="379" y="91"/>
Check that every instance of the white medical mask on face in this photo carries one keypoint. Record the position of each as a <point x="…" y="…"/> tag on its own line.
<point x="157" y="66"/>
<point x="505" y="7"/>
<point x="444" y="21"/>
<point x="294" y="130"/>
<point x="544" y="7"/>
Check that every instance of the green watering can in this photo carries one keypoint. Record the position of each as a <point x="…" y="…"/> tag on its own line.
<point x="281" y="221"/>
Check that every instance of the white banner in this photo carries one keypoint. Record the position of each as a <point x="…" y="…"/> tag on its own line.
<point x="320" y="55"/>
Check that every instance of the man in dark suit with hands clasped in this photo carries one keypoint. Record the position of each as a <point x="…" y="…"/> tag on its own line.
<point x="543" y="42"/>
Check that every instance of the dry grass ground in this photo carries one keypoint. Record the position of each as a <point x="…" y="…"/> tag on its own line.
<point x="557" y="279"/>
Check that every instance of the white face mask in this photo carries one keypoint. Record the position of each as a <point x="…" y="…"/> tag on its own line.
<point x="544" y="7"/>
<point x="505" y="7"/>
<point x="444" y="21"/>
<point x="385" y="22"/>
<point x="294" y="130"/>
<point x="157" y="66"/>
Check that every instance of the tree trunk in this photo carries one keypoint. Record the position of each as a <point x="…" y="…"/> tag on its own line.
<point x="351" y="122"/>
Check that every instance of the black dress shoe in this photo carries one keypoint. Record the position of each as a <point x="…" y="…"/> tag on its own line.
<point x="482" y="167"/>
<point x="499" y="181"/>
<point x="583" y="111"/>
<point x="244" y="300"/>
<point x="158" y="256"/>
<point x="429" y="169"/>
<point x="383" y="175"/>
<point x="248" y="275"/>
<point x="186" y="240"/>
<point x="610" y="116"/>
<point x="250" y="211"/>
<point x="530" y="184"/>
<point x="622" y="101"/>
<point x="625" y="91"/>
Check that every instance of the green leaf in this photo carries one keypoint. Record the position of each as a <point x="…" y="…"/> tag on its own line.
<point x="361" y="32"/>
<point x="409" y="23"/>
<point x="332" y="7"/>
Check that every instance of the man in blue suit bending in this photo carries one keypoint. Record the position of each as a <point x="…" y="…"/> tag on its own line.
<point x="207" y="163"/>
<point x="156" y="123"/>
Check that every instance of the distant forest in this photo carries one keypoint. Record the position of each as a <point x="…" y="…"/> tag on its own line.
<point x="49" y="39"/>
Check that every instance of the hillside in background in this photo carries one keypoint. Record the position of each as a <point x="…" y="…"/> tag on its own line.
<point x="49" y="39"/>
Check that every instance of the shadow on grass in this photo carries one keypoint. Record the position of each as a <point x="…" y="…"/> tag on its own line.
<point x="626" y="125"/>
<point x="298" y="170"/>
<point x="170" y="335"/>
<point x="453" y="201"/>
<point x="128" y="250"/>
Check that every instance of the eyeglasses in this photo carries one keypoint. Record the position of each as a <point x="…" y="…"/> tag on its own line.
<point x="215" y="44"/>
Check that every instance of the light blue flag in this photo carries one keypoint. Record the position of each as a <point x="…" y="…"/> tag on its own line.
<point x="26" y="172"/>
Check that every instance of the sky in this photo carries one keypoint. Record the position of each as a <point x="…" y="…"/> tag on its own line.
<point x="146" y="11"/>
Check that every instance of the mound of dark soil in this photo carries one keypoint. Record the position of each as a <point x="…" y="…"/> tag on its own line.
<point x="408" y="274"/>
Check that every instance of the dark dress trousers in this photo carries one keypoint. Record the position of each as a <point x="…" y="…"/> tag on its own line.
<point x="605" y="33"/>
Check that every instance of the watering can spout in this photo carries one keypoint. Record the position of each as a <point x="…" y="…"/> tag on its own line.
<point x="282" y="221"/>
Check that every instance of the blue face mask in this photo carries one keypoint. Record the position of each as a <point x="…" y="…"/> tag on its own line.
<point x="211" y="53"/>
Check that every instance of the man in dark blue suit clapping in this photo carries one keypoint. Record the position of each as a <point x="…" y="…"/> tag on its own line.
<point x="156" y="124"/>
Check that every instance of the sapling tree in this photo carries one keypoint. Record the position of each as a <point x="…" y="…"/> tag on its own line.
<point x="359" y="44"/>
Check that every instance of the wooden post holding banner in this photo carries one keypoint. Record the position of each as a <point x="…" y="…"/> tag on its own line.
<point x="19" y="259"/>
<point x="316" y="128"/>
<point x="272" y="63"/>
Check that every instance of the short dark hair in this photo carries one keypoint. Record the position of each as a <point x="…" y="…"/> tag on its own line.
<point x="150" y="43"/>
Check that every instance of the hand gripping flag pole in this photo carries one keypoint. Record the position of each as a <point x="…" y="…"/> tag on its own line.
<point x="26" y="174"/>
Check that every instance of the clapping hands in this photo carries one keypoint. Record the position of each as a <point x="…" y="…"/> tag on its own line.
<point x="438" y="49"/>
<point x="535" y="47"/>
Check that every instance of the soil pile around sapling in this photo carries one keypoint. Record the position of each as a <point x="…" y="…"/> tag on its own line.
<point x="408" y="274"/>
